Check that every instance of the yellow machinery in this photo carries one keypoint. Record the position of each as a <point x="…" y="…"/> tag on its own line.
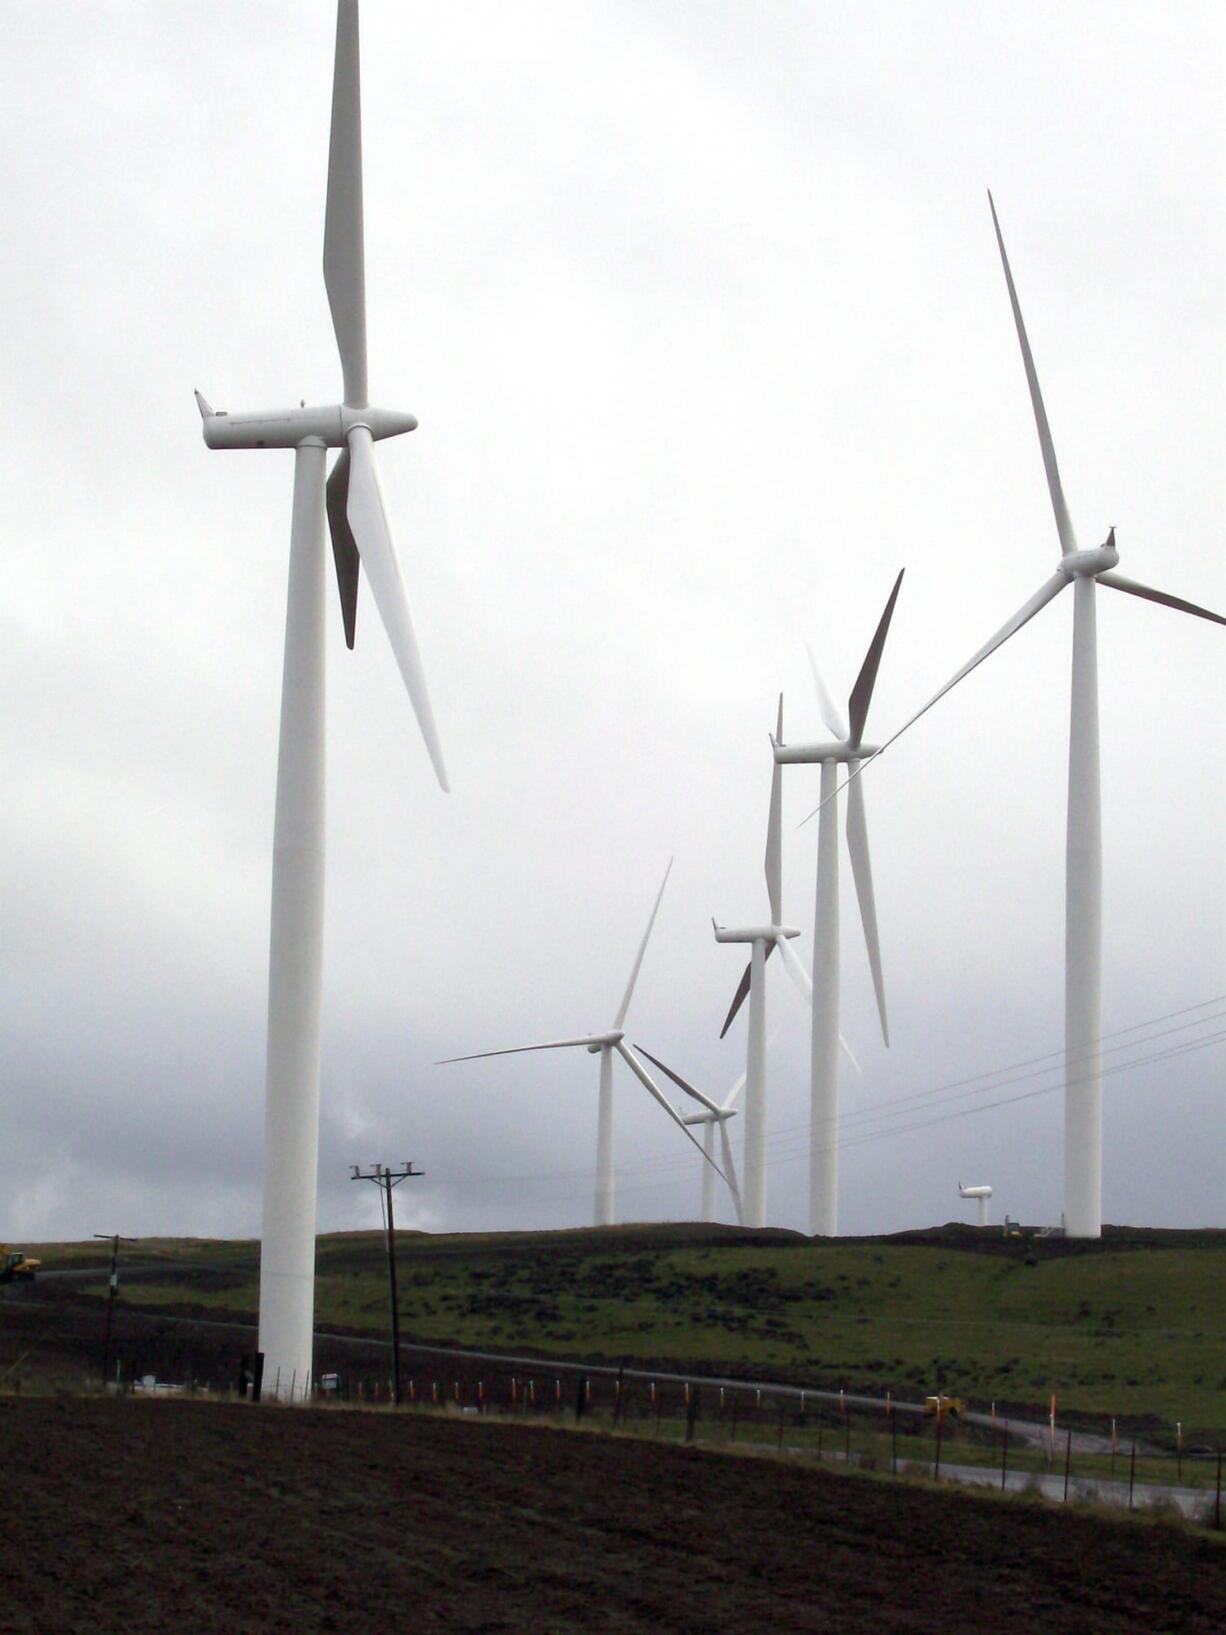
<point x="14" y="1267"/>
<point x="944" y="1406"/>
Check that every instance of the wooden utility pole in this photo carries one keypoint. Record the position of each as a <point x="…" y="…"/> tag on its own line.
<point x="114" y="1239"/>
<point x="386" y="1178"/>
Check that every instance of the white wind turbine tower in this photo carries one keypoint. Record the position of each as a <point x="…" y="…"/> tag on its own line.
<point x="360" y="533"/>
<point x="848" y="748"/>
<point x="1083" y="844"/>
<point x="1083" y="850"/>
<point x="981" y="1196"/>
<point x="713" y="1116"/>
<point x="763" y="940"/>
<point x="604" y="1045"/>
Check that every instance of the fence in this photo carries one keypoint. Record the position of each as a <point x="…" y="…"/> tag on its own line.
<point x="1064" y="1465"/>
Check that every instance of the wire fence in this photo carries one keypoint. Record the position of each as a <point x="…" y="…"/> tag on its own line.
<point x="943" y="1444"/>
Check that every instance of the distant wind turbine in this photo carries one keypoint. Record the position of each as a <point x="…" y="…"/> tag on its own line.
<point x="713" y="1116"/>
<point x="848" y="747"/>
<point x="604" y="1045"/>
<point x="1083" y="842"/>
<point x="360" y="534"/>
<point x="763" y="940"/>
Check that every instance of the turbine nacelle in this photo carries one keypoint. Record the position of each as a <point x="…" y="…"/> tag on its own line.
<point x="1089" y="564"/>
<point x="808" y="754"/>
<point x="753" y="933"/>
<point x="713" y="1115"/>
<point x="329" y="424"/>
<point x="604" y="1041"/>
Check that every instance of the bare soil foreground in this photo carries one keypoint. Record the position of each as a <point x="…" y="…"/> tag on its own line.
<point x="197" y="1517"/>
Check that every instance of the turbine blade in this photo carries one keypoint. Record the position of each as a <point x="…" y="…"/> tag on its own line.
<point x="739" y="1085"/>
<point x="344" y="548"/>
<point x="862" y="692"/>
<point x="796" y="970"/>
<point x="368" y="521"/>
<point x="649" y="1084"/>
<point x="743" y="989"/>
<point x="738" y="999"/>
<point x="634" y="974"/>
<point x="826" y="704"/>
<point x="774" y="832"/>
<point x="1117" y="581"/>
<point x="344" y="240"/>
<point x="862" y="872"/>
<point x="1064" y="526"/>
<point x="517" y="1050"/>
<point x="682" y="1084"/>
<point x="730" y="1171"/>
<point x="1052" y="587"/>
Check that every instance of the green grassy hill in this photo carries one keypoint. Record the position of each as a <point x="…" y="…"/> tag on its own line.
<point x="1134" y="1325"/>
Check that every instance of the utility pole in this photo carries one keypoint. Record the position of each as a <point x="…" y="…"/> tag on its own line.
<point x="386" y="1178"/>
<point x="114" y="1239"/>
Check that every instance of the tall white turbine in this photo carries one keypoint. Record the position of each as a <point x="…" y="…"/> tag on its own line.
<point x="604" y="1045"/>
<point x="714" y="1116"/>
<point x="1083" y="843"/>
<point x="360" y="534"/>
<point x="848" y="748"/>
<point x="763" y="940"/>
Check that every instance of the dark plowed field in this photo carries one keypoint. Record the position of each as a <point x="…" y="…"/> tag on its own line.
<point x="191" y="1517"/>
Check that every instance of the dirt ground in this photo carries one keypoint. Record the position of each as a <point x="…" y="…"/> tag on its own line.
<point x="198" y="1517"/>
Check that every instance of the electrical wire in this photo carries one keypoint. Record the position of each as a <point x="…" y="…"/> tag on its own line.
<point x="790" y="1143"/>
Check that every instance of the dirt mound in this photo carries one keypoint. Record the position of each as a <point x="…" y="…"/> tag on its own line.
<point x="197" y="1517"/>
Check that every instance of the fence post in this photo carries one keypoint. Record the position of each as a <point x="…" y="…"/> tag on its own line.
<point x="936" y="1462"/>
<point x="1179" y="1451"/>
<point x="847" y="1439"/>
<point x="617" y="1393"/>
<point x="779" y="1439"/>
<point x="1004" y="1456"/>
<point x="1068" y="1457"/>
<point x="894" y="1443"/>
<point x="691" y="1413"/>
<point x="1132" y="1472"/>
<point x="1217" y="1497"/>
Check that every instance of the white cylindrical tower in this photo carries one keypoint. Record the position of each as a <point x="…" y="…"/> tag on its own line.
<point x="824" y="1040"/>
<point x="708" y="1170"/>
<point x="1083" y="935"/>
<point x="291" y="1116"/>
<point x="604" y="1140"/>
<point x="755" y="1090"/>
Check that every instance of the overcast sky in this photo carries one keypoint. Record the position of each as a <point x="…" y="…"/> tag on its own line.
<point x="702" y="316"/>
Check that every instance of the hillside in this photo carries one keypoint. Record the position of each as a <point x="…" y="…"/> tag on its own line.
<point x="1134" y="1325"/>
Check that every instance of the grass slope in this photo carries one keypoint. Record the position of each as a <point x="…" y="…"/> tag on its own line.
<point x="1133" y="1326"/>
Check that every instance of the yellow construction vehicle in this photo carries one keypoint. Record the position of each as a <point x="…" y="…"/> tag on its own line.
<point x="14" y="1267"/>
<point x="946" y="1407"/>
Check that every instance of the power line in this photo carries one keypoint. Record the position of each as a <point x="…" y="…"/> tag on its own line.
<point x="661" y="1164"/>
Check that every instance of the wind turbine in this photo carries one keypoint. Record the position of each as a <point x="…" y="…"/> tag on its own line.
<point x="848" y="747"/>
<point x="713" y="1116"/>
<point x="763" y="940"/>
<point x="360" y="533"/>
<point x="1083" y="844"/>
<point x="604" y="1045"/>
